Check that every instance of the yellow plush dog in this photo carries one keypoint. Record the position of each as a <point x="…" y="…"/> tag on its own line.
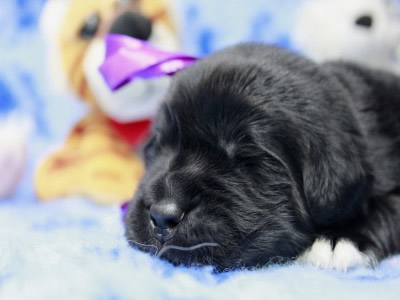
<point x="98" y="158"/>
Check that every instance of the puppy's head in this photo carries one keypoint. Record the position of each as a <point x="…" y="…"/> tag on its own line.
<point x="224" y="183"/>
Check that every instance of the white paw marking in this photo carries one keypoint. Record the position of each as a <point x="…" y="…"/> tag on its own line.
<point x="319" y="254"/>
<point x="343" y="257"/>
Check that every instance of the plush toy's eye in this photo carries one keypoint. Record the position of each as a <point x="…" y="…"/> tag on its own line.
<point x="365" y="21"/>
<point x="89" y="29"/>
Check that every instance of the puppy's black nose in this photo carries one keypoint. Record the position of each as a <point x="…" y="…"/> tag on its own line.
<point x="166" y="214"/>
<point x="132" y="24"/>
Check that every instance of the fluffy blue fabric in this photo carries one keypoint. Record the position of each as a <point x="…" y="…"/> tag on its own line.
<point x="73" y="249"/>
<point x="212" y="25"/>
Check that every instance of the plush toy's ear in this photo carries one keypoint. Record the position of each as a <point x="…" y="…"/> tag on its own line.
<point x="336" y="173"/>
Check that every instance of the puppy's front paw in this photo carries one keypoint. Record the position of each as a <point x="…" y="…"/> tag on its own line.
<point x="346" y="256"/>
<point x="319" y="254"/>
<point x="342" y="256"/>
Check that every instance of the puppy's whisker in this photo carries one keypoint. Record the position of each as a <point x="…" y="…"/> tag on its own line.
<point x="144" y="245"/>
<point x="166" y="248"/>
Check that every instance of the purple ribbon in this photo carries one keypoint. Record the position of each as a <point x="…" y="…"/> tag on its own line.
<point x="128" y="58"/>
<point x="124" y="209"/>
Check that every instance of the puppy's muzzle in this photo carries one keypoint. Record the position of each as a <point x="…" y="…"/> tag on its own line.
<point x="165" y="218"/>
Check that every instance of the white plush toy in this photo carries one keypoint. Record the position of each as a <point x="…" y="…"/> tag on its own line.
<point x="362" y="31"/>
<point x="13" y="152"/>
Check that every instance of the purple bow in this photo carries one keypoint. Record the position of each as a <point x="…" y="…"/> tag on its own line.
<point x="128" y="58"/>
<point x="124" y="209"/>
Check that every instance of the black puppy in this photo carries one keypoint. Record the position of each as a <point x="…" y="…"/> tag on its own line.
<point x="258" y="153"/>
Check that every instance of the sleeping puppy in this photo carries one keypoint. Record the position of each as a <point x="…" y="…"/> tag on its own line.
<point x="261" y="156"/>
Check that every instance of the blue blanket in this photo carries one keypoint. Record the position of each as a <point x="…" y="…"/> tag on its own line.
<point x="75" y="250"/>
<point x="72" y="249"/>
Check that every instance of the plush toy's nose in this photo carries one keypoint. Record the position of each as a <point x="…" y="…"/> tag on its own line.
<point x="365" y="21"/>
<point x="132" y="24"/>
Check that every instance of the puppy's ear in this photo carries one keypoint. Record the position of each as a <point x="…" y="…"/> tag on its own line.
<point x="335" y="184"/>
<point x="336" y="175"/>
<point x="330" y="179"/>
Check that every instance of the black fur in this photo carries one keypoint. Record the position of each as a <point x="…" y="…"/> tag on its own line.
<point x="264" y="151"/>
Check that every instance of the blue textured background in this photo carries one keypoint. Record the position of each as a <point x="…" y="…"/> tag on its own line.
<point x="74" y="250"/>
<point x="211" y="25"/>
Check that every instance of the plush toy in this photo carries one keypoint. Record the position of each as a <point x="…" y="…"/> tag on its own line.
<point x="362" y="31"/>
<point x="14" y="132"/>
<point x="98" y="158"/>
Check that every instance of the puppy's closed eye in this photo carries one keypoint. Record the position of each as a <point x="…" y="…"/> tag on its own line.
<point x="150" y="150"/>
